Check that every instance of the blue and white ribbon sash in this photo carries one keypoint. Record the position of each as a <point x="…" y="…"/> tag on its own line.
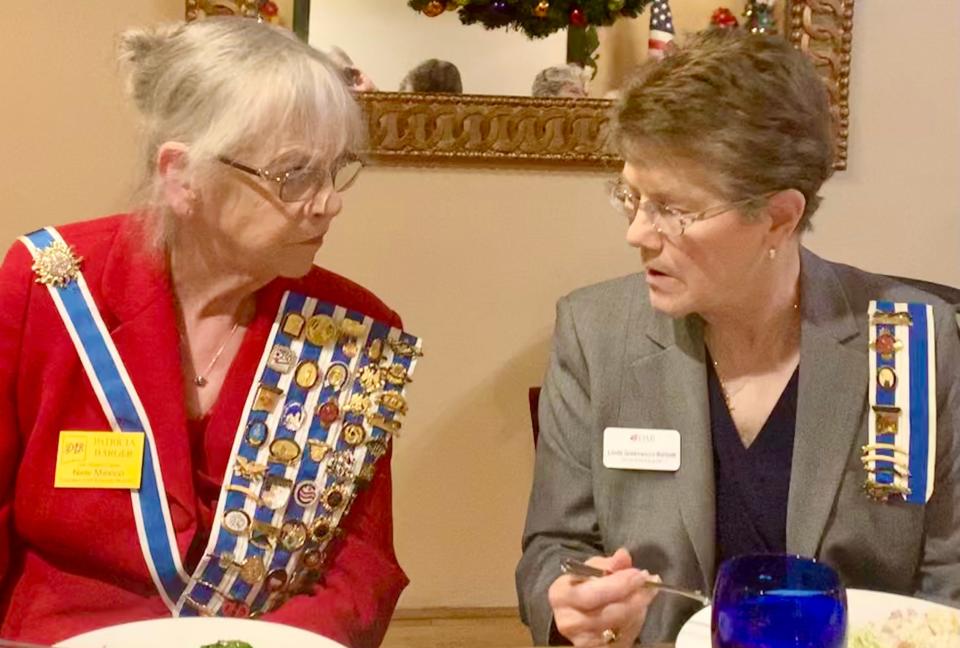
<point x="125" y="413"/>
<point x="328" y="398"/>
<point x="902" y="431"/>
<point x="264" y="549"/>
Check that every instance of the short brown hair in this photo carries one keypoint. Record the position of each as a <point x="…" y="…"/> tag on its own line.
<point x="433" y="75"/>
<point x="748" y="107"/>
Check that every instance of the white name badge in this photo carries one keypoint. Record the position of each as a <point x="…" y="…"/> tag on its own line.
<point x="641" y="449"/>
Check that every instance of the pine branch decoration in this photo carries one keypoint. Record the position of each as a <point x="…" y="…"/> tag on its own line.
<point x="535" y="18"/>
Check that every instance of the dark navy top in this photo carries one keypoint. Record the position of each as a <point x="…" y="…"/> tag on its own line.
<point x="752" y="483"/>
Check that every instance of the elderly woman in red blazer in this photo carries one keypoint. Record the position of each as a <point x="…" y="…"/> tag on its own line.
<point x="263" y="388"/>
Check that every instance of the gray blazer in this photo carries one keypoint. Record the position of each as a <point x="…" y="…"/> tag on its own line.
<point x="618" y="363"/>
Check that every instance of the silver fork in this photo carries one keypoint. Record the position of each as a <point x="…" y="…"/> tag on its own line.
<point x="573" y="567"/>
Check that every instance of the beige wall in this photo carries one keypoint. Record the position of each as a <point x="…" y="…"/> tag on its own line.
<point x="67" y="148"/>
<point x="474" y="260"/>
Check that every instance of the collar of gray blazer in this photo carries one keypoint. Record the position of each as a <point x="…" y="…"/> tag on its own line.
<point x="830" y="410"/>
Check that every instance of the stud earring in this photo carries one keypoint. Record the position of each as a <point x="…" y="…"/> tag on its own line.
<point x="772" y="253"/>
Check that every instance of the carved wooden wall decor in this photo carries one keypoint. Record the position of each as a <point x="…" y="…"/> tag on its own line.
<point x="406" y="127"/>
<point x="824" y="30"/>
<point x="201" y="8"/>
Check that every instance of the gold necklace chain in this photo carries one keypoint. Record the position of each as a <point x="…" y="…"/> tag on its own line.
<point x="727" y="396"/>
<point x="200" y="379"/>
<point x="723" y="388"/>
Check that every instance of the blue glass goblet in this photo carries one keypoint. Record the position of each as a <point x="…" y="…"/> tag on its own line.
<point x="776" y="601"/>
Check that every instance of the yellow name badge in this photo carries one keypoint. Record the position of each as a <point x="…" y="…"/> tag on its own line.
<point x="99" y="460"/>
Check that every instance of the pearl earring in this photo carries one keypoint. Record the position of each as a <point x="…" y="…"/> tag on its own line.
<point x="772" y="253"/>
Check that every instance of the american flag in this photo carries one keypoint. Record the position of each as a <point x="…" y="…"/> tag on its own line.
<point x="661" y="28"/>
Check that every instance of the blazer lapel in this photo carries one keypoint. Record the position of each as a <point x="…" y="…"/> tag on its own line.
<point x="140" y="316"/>
<point x="831" y="402"/>
<point x="672" y="393"/>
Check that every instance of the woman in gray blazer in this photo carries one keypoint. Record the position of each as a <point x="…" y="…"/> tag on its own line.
<point x="742" y="395"/>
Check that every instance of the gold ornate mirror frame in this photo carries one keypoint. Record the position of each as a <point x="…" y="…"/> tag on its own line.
<point x="490" y="130"/>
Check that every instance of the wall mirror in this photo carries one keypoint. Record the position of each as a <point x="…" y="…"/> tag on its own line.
<point x="495" y="120"/>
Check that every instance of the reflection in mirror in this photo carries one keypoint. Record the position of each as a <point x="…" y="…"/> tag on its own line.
<point x="626" y="44"/>
<point x="386" y="40"/>
<point x="512" y="127"/>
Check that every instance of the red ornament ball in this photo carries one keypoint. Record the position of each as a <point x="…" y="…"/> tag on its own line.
<point x="723" y="17"/>
<point x="577" y="18"/>
<point x="269" y="9"/>
<point x="434" y="8"/>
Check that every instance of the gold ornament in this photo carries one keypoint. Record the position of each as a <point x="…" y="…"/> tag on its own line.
<point x="434" y="8"/>
<point x="371" y="379"/>
<point x="540" y="11"/>
<point x="56" y="265"/>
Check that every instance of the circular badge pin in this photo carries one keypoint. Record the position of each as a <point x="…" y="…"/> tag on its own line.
<point x="312" y="559"/>
<point x="252" y="571"/>
<point x="284" y="451"/>
<point x="321" y="330"/>
<point x="293" y="535"/>
<point x="275" y="492"/>
<point x="320" y="529"/>
<point x="236" y="521"/>
<point x="275" y="580"/>
<point x="887" y="377"/>
<point x="336" y="375"/>
<point x="307" y="374"/>
<point x="334" y="498"/>
<point x="329" y="412"/>
<point x="354" y="434"/>
<point x="257" y="433"/>
<point x="293" y="417"/>
<point x="305" y="493"/>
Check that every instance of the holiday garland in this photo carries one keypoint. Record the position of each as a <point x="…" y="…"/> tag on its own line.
<point x="535" y="18"/>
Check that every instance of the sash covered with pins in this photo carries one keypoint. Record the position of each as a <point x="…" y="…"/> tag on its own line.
<point x="328" y="397"/>
<point x="902" y="431"/>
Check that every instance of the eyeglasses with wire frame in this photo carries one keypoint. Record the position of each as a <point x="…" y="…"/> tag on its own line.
<point x="301" y="183"/>
<point x="665" y="219"/>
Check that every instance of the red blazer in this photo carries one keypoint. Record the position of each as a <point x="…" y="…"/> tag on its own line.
<point x="70" y="560"/>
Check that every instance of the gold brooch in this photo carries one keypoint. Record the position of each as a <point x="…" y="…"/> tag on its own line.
<point x="56" y="265"/>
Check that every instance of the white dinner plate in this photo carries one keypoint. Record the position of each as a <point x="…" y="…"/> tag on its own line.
<point x="863" y="607"/>
<point x="196" y="632"/>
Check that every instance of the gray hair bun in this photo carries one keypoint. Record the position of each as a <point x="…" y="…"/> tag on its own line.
<point x="137" y="52"/>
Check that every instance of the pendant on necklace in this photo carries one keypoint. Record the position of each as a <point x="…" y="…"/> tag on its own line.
<point x="200" y="381"/>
